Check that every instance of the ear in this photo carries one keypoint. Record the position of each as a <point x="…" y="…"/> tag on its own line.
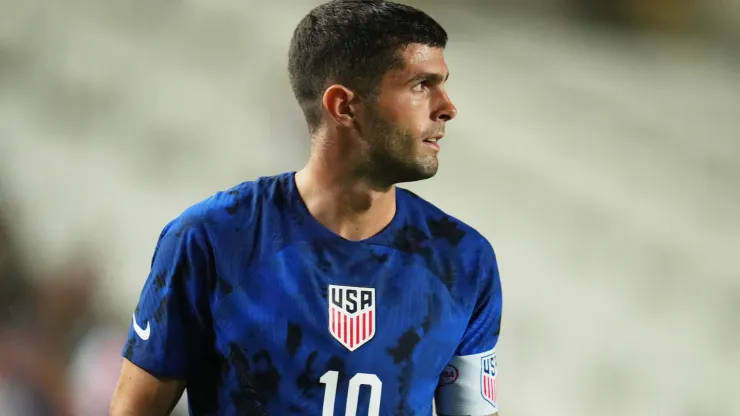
<point x="339" y="103"/>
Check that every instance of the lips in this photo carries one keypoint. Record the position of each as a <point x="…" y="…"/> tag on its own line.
<point x="432" y="142"/>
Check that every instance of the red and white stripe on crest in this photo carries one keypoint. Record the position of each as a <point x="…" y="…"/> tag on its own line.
<point x="351" y="329"/>
<point x="488" y="380"/>
<point x="489" y="387"/>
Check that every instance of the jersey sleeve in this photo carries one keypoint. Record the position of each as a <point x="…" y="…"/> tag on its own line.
<point x="170" y="324"/>
<point x="468" y="383"/>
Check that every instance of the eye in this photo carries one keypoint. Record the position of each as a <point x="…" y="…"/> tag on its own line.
<point x="421" y="86"/>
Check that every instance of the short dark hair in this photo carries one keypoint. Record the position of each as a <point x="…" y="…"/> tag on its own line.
<point x="353" y="43"/>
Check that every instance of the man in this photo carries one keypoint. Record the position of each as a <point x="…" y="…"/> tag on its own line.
<point x="329" y="291"/>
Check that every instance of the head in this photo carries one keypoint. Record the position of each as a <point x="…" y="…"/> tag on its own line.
<point x="371" y="74"/>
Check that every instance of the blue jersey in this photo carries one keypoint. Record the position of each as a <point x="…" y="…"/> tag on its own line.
<point x="264" y="311"/>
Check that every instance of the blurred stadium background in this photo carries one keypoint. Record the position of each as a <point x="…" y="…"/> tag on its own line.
<point x="597" y="146"/>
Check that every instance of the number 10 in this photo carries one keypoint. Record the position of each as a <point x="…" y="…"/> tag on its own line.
<point x="330" y="378"/>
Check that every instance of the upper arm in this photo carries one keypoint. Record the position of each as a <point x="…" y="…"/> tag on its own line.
<point x="469" y="384"/>
<point x="171" y="324"/>
<point x="139" y="393"/>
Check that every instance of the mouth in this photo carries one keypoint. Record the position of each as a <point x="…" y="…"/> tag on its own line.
<point x="433" y="142"/>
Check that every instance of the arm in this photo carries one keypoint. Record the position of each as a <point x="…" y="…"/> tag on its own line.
<point x="169" y="327"/>
<point x="469" y="384"/>
<point x="141" y="394"/>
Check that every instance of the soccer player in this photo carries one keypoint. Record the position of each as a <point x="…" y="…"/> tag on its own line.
<point x="328" y="291"/>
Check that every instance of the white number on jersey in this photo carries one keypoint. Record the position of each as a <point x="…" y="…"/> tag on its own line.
<point x="331" y="378"/>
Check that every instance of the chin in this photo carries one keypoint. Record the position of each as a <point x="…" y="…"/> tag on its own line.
<point x="419" y="172"/>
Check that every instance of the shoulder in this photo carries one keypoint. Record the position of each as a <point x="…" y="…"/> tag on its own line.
<point x="235" y="208"/>
<point x="446" y="229"/>
<point x="454" y="251"/>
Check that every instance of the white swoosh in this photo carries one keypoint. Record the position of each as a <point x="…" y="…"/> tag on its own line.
<point x="142" y="333"/>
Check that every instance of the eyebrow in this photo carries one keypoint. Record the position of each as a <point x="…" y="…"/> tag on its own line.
<point x="431" y="77"/>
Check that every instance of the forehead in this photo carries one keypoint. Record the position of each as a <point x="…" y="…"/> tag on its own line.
<point x="418" y="58"/>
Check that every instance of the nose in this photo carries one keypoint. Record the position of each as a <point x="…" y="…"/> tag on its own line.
<point x="446" y="110"/>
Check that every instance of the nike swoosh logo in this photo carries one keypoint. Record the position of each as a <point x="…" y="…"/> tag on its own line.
<point x="142" y="333"/>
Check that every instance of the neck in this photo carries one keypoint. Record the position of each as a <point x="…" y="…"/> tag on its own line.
<point x="343" y="201"/>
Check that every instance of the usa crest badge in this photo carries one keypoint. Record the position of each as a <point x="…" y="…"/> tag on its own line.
<point x="488" y="381"/>
<point x="351" y="315"/>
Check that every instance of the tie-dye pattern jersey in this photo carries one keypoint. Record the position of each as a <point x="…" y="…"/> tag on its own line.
<point x="263" y="311"/>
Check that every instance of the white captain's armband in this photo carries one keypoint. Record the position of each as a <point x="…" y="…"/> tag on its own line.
<point x="467" y="386"/>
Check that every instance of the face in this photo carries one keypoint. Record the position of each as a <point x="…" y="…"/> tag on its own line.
<point x="403" y="127"/>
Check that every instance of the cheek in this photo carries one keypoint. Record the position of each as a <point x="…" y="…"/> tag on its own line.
<point x="415" y="117"/>
<point x="408" y="113"/>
